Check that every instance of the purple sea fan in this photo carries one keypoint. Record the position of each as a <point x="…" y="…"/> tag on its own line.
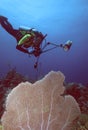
<point x="40" y="106"/>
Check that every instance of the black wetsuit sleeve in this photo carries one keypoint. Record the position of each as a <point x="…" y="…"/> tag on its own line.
<point x="21" y="48"/>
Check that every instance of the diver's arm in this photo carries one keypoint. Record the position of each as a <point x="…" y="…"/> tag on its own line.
<point x="22" y="49"/>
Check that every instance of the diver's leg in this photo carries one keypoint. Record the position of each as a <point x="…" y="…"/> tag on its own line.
<point x="6" y="25"/>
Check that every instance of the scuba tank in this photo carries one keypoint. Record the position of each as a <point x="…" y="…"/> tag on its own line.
<point x="27" y="28"/>
<point x="24" y="28"/>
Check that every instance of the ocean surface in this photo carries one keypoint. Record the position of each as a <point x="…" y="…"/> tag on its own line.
<point x="61" y="20"/>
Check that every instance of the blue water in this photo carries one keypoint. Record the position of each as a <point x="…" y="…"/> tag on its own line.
<point x="62" y="20"/>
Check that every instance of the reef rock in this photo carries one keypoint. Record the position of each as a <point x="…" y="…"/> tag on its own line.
<point x="80" y="93"/>
<point x="40" y="106"/>
<point x="7" y="83"/>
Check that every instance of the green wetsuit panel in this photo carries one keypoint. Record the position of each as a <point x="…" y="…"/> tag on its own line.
<point x="24" y="39"/>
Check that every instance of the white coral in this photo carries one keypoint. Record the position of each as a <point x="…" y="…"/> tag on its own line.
<point x="40" y="106"/>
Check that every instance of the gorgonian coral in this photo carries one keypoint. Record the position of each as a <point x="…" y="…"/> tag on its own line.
<point x="40" y="106"/>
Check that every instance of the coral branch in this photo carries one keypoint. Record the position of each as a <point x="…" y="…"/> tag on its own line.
<point x="51" y="106"/>
<point x="42" y="123"/>
<point x="28" y="120"/>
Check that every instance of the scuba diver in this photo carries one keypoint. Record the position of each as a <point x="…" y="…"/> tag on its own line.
<point x="29" y="38"/>
<point x="25" y="37"/>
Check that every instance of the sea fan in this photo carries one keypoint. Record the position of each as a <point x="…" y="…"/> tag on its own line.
<point x="40" y="106"/>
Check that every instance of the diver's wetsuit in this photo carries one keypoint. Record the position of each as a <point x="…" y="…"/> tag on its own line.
<point x="14" y="32"/>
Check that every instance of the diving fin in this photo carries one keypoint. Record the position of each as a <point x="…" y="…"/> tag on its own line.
<point x="3" y="18"/>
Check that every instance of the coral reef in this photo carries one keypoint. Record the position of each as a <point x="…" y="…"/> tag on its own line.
<point x="11" y="80"/>
<point x="80" y="93"/>
<point x="82" y="123"/>
<point x="40" y="106"/>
